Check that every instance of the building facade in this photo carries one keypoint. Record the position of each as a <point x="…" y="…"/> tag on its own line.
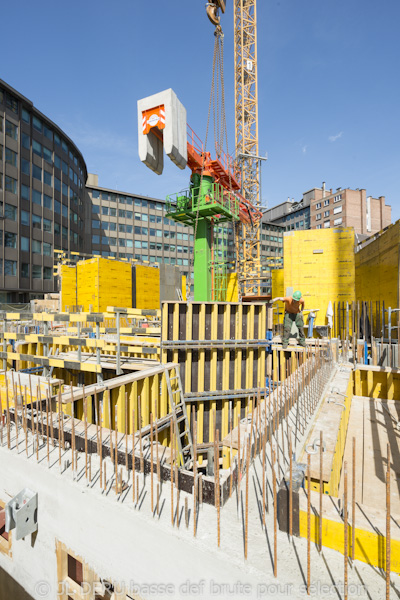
<point x="127" y="225"/>
<point x="322" y="208"/>
<point x="349" y="208"/>
<point x="291" y="215"/>
<point x="42" y="197"/>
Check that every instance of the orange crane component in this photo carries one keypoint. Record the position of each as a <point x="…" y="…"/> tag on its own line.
<point x="221" y="169"/>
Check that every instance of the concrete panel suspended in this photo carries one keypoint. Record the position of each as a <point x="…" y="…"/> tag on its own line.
<point x="162" y="126"/>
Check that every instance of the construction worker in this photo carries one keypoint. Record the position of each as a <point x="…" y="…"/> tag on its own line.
<point x="294" y="306"/>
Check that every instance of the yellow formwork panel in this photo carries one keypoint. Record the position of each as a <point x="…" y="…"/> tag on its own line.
<point x="321" y="264"/>
<point x="377" y="270"/>
<point x="368" y="547"/>
<point x="278" y="290"/>
<point x="232" y="288"/>
<point x="68" y="286"/>
<point x="147" y="287"/>
<point x="376" y="383"/>
<point x="31" y="388"/>
<point x="103" y="282"/>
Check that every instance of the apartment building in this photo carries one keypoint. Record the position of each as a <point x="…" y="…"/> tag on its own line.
<point x="321" y="208"/>
<point x="349" y="208"/>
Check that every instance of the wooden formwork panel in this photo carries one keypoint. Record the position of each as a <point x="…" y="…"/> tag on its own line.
<point x="220" y="346"/>
<point x="222" y="352"/>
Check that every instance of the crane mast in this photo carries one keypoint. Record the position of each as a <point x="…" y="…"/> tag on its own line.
<point x="248" y="236"/>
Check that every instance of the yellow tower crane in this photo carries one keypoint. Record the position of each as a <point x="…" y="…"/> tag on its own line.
<point x="248" y="235"/>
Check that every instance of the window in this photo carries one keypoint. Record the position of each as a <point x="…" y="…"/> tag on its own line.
<point x="26" y="117"/>
<point x="57" y="139"/>
<point x="10" y="239"/>
<point x="12" y="103"/>
<point x="10" y="184"/>
<point x="36" y="272"/>
<point x="96" y="210"/>
<point x="65" y="189"/>
<point x="337" y="198"/>
<point x="57" y="183"/>
<point x="37" y="172"/>
<point x="36" y="222"/>
<point x="64" y="167"/>
<point x="24" y="217"/>
<point x="104" y="210"/>
<point x="10" y="267"/>
<point x="11" y="130"/>
<point x="24" y="192"/>
<point x="10" y="212"/>
<point x="319" y="226"/>
<point x="326" y="202"/>
<point x="95" y="239"/>
<point x="25" y="166"/>
<point x="113" y="212"/>
<point x="71" y="174"/>
<point x="95" y="194"/>
<point x="338" y="221"/>
<point x="46" y="249"/>
<point x="56" y="228"/>
<point x="337" y="210"/>
<point x="37" y="124"/>
<point x="24" y="270"/>
<point x="47" y="201"/>
<point x="57" y="161"/>
<point x="37" y="197"/>
<point x="24" y="244"/>
<point x="327" y="224"/>
<point x="48" y="133"/>
<point x="129" y="243"/>
<point x="46" y="225"/>
<point x="47" y="273"/>
<point x="104" y="195"/>
<point x="95" y="224"/>
<point x="36" y="247"/>
<point x="57" y="207"/>
<point x="129" y="228"/>
<point x="326" y="213"/>
<point x="65" y="211"/>
<point x="36" y="148"/>
<point x="318" y="206"/>
<point x="48" y="155"/>
<point x="11" y="157"/>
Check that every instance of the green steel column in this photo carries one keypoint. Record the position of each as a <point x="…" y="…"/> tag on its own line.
<point x="202" y="259"/>
<point x="202" y="243"/>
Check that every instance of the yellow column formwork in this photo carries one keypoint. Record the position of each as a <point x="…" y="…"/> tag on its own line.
<point x="321" y="264"/>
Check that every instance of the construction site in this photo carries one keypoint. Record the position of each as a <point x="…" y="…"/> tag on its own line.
<point x="163" y="440"/>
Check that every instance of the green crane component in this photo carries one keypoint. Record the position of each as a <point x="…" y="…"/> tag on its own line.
<point x="203" y="205"/>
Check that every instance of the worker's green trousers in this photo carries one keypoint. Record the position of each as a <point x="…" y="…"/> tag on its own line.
<point x="287" y="327"/>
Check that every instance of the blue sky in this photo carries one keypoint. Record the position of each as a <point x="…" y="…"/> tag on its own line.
<point x="329" y="85"/>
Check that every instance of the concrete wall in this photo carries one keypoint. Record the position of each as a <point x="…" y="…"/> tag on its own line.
<point x="118" y="542"/>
